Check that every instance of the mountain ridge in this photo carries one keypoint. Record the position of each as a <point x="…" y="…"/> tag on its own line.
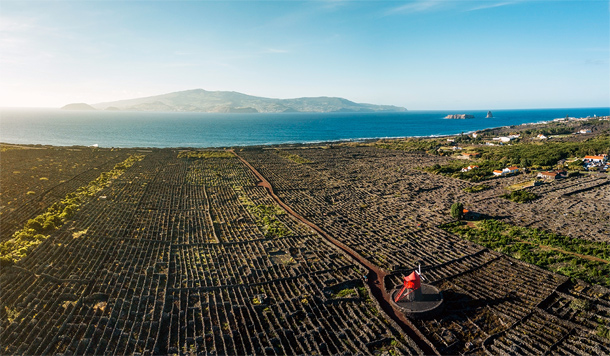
<point x="200" y="100"/>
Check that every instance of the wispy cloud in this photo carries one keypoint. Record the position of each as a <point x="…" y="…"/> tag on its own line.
<point x="596" y="62"/>
<point x="493" y="4"/>
<point x="416" y="6"/>
<point x="18" y="43"/>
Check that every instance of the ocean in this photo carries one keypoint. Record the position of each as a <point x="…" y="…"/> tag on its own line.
<point x="155" y="129"/>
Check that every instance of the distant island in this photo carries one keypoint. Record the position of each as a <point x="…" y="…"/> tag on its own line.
<point x="459" y="116"/>
<point x="199" y="100"/>
<point x="78" y="106"/>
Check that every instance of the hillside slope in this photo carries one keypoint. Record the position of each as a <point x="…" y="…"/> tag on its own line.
<point x="199" y="100"/>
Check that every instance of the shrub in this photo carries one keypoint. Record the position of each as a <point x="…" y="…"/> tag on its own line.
<point x="476" y="188"/>
<point x="457" y="210"/>
<point x="580" y="304"/>
<point x="520" y="196"/>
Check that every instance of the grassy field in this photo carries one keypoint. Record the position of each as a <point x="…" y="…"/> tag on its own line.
<point x="586" y="260"/>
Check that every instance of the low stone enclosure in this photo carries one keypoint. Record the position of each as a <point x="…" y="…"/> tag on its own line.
<point x="34" y="178"/>
<point x="171" y="261"/>
<point x="186" y="256"/>
<point x="380" y="204"/>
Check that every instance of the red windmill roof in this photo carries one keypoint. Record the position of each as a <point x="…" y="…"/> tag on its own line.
<point x="414" y="277"/>
<point x="412" y="282"/>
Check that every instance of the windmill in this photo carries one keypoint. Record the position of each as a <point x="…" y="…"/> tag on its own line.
<point x="417" y="299"/>
<point x="411" y="289"/>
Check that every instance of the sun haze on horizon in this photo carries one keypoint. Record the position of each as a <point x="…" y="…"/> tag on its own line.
<point x="422" y="54"/>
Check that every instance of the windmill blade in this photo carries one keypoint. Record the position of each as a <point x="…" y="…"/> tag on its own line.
<point x="419" y="273"/>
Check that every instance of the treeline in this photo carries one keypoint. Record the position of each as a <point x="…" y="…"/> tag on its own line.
<point x="548" y="131"/>
<point x="554" y="252"/>
<point x="454" y="169"/>
<point x="544" y="155"/>
<point x="535" y="154"/>
<point x="523" y="155"/>
<point x="430" y="146"/>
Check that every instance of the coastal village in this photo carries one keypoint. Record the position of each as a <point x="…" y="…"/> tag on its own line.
<point x="297" y="249"/>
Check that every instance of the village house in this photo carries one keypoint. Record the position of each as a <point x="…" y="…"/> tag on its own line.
<point x="552" y="175"/>
<point x="541" y="137"/>
<point x="584" y="131"/>
<point x="503" y="138"/>
<point x="469" y="168"/>
<point x="596" y="162"/>
<point x="506" y="171"/>
<point x="511" y="170"/>
<point x="596" y="159"/>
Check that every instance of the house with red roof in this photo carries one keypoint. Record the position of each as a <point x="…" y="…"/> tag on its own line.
<point x="469" y="168"/>
<point x="506" y="171"/>
<point x="547" y="175"/>
<point x="511" y="170"/>
<point x="596" y="159"/>
<point x="552" y="175"/>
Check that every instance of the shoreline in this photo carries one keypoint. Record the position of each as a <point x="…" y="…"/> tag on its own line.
<point x="519" y="127"/>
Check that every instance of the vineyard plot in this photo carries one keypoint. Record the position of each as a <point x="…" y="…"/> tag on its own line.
<point x="35" y="178"/>
<point x="379" y="203"/>
<point x="182" y="255"/>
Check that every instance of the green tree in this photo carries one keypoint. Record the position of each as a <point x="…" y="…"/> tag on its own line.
<point x="525" y="163"/>
<point x="575" y="165"/>
<point x="457" y="210"/>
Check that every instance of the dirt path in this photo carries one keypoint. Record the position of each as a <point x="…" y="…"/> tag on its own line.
<point x="376" y="276"/>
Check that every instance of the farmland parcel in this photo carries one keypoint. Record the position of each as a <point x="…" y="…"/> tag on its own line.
<point x="186" y="252"/>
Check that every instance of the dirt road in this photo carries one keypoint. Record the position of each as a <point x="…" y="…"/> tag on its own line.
<point x="376" y="276"/>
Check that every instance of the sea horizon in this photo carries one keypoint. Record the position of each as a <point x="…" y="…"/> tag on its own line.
<point x="137" y="129"/>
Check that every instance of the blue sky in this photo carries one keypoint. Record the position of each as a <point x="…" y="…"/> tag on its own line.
<point x="423" y="54"/>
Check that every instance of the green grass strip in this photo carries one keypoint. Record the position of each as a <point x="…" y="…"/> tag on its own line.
<point x="205" y="154"/>
<point x="520" y="196"/>
<point x="575" y="258"/>
<point x="38" y="229"/>
<point x="293" y="157"/>
<point x="265" y="216"/>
